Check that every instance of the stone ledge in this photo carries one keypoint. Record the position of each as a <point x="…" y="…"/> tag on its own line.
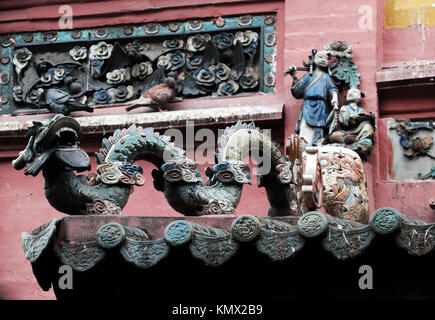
<point x="419" y="73"/>
<point x="158" y="120"/>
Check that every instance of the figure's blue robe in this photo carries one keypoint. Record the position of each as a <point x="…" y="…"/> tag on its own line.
<point x="316" y="97"/>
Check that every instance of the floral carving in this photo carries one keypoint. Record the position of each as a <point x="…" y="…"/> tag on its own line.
<point x="197" y="42"/>
<point x="118" y="76"/>
<point x="135" y="49"/>
<point x="220" y="22"/>
<point x="340" y="49"/>
<point x="78" y="53"/>
<point x="173" y="43"/>
<point x="104" y="68"/>
<point x="223" y="40"/>
<point x="194" y="62"/>
<point x="245" y="228"/>
<point x="100" y="51"/>
<point x="121" y="93"/>
<point x="246" y="38"/>
<point x="270" y="58"/>
<point x="128" y="30"/>
<point x="228" y="88"/>
<point x="76" y="34"/>
<point x="102" y="97"/>
<point x="269" y="20"/>
<point x="21" y="59"/>
<point x="385" y="220"/>
<point x="177" y="59"/>
<point x="174" y="27"/>
<point x="204" y="77"/>
<point x="110" y="235"/>
<point x="164" y="62"/>
<point x="249" y="79"/>
<point x="221" y="71"/>
<point x="178" y="232"/>
<point x="142" y="70"/>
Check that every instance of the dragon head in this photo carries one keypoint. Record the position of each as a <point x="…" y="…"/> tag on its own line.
<point x="53" y="144"/>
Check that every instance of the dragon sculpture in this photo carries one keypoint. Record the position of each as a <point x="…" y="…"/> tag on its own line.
<point x="53" y="149"/>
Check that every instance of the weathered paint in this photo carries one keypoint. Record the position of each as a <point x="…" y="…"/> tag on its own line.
<point x="408" y="31"/>
<point x="405" y="13"/>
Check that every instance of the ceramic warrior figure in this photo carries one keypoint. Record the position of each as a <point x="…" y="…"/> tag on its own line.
<point x="319" y="93"/>
<point x="353" y="127"/>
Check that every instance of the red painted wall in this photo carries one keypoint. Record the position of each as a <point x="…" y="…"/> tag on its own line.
<point x="408" y="45"/>
<point x="302" y="25"/>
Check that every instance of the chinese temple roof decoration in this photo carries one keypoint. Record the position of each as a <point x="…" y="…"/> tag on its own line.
<point x="279" y="239"/>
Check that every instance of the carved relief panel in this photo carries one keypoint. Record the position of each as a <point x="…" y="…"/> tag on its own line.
<point x="112" y="65"/>
<point x="413" y="157"/>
